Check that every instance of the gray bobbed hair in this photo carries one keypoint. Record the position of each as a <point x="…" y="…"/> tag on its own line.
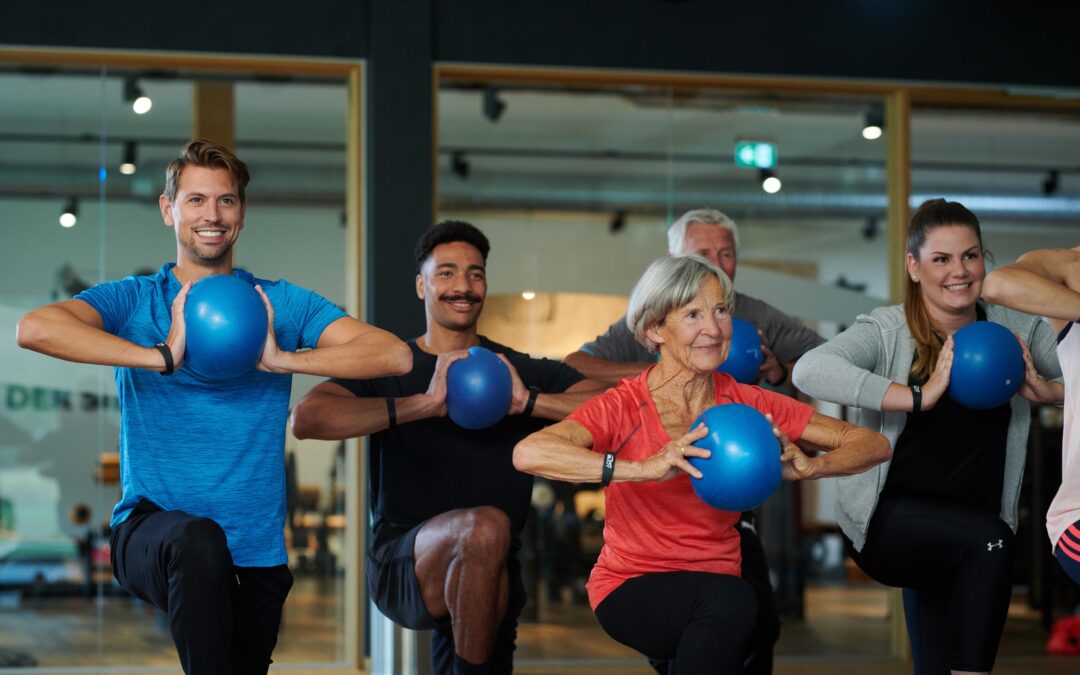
<point x="667" y="284"/>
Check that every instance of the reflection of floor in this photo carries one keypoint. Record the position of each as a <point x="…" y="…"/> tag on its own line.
<point x="121" y="630"/>
<point x="845" y="632"/>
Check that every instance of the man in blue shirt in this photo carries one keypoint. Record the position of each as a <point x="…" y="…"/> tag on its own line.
<point x="199" y="529"/>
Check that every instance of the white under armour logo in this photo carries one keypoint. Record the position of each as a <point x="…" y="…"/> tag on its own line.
<point x="990" y="546"/>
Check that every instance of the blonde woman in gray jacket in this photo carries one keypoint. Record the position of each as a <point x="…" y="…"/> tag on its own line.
<point x="939" y="519"/>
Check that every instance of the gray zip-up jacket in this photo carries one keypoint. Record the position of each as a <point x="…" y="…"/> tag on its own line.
<point x="857" y="366"/>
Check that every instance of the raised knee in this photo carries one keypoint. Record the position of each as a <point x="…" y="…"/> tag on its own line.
<point x="732" y="604"/>
<point x="200" y="546"/>
<point x="992" y="536"/>
<point x="485" y="533"/>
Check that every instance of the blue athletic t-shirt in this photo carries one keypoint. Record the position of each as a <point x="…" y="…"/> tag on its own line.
<point x="212" y="449"/>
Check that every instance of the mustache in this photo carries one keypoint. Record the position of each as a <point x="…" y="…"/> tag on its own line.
<point x="469" y="297"/>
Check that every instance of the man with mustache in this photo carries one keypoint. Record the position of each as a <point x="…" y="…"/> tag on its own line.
<point x="447" y="504"/>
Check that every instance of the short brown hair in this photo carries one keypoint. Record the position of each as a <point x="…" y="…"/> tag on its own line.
<point x="209" y="155"/>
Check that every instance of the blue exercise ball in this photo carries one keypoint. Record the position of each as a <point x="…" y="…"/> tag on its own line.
<point x="744" y="468"/>
<point x="744" y="355"/>
<point x="226" y="327"/>
<point x="478" y="389"/>
<point x="988" y="365"/>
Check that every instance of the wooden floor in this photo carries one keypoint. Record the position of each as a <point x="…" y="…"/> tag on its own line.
<point x="845" y="631"/>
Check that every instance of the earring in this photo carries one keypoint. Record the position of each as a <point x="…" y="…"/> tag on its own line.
<point x="915" y="278"/>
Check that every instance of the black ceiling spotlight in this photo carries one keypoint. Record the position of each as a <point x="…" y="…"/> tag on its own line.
<point x="871" y="229"/>
<point x="459" y="164"/>
<point x="134" y="95"/>
<point x="494" y="106"/>
<point x="1051" y="184"/>
<point x="70" y="213"/>
<point x="127" y="166"/>
<point x="69" y="281"/>
<point x="618" y="221"/>
<point x="874" y="123"/>
<point x="845" y="283"/>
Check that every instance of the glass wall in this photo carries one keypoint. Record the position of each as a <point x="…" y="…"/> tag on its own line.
<point x="73" y="144"/>
<point x="576" y="187"/>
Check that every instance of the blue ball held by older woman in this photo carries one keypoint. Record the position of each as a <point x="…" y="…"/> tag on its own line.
<point x="478" y="389"/>
<point x="988" y="365"/>
<point x="744" y="467"/>
<point x="744" y="355"/>
<point x="226" y="324"/>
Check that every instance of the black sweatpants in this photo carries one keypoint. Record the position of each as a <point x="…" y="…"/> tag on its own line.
<point x="701" y="621"/>
<point x="224" y="619"/>
<point x="955" y="564"/>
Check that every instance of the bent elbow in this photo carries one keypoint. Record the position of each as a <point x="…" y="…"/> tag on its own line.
<point x="28" y="331"/>
<point x="523" y="457"/>
<point x="991" y="290"/>
<point x="799" y="376"/>
<point x="302" y="421"/>
<point x="574" y="360"/>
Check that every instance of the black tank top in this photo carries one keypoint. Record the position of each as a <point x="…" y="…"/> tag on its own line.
<point x="952" y="454"/>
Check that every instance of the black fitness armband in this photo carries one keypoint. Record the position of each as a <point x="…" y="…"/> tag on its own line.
<point x="916" y="398"/>
<point x="531" y="403"/>
<point x="609" y="469"/>
<point x="166" y="354"/>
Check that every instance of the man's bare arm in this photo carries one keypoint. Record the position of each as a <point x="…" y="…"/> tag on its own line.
<point x="608" y="373"/>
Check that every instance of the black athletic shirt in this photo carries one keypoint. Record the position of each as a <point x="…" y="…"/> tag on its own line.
<point x="427" y="467"/>
<point x="952" y="454"/>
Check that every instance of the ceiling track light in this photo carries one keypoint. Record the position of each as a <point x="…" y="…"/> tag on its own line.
<point x="493" y="106"/>
<point x="133" y="94"/>
<point x="70" y="213"/>
<point x="1052" y="183"/>
<point x="769" y="181"/>
<point x="874" y="123"/>
<point x="618" y="222"/>
<point x="871" y="229"/>
<point x="459" y="164"/>
<point x="128" y="165"/>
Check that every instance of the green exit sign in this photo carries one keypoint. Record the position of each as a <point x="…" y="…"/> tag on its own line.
<point x="755" y="154"/>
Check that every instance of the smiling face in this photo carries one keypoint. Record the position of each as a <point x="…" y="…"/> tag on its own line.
<point x="207" y="215"/>
<point x="453" y="284"/>
<point x="698" y="334"/>
<point x="950" y="270"/>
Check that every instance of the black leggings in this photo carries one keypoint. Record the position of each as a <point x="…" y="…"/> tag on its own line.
<point x="955" y="564"/>
<point x="700" y="620"/>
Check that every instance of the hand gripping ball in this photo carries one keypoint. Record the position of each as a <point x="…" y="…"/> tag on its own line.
<point x="744" y="355"/>
<point x="988" y="365"/>
<point x="744" y="468"/>
<point x="478" y="389"/>
<point x="226" y="327"/>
